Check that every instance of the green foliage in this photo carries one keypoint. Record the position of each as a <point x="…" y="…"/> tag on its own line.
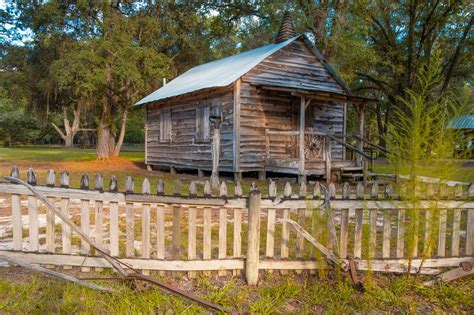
<point x="17" y="127"/>
<point x="418" y="138"/>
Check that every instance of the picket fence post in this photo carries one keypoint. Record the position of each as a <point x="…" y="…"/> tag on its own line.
<point x="253" y="241"/>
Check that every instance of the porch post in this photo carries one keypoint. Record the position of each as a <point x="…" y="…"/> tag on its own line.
<point x="359" y="159"/>
<point x="301" y="138"/>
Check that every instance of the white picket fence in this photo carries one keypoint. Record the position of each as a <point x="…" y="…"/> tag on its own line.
<point x="191" y="233"/>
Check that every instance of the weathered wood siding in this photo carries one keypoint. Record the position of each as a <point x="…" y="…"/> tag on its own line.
<point x="184" y="151"/>
<point x="329" y="118"/>
<point x="293" y="66"/>
<point x="260" y="110"/>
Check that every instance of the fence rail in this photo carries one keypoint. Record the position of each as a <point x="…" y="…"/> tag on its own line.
<point x="231" y="233"/>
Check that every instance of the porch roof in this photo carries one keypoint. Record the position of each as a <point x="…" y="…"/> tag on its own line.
<point x="320" y="93"/>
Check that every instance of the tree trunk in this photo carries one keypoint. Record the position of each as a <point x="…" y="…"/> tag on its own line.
<point x="123" y="126"/>
<point x="105" y="141"/>
<point x="106" y="132"/>
<point x="71" y="131"/>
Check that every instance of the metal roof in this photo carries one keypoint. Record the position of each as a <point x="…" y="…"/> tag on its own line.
<point x="219" y="73"/>
<point x="462" y="122"/>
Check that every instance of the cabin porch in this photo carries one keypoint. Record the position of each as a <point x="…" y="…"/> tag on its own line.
<point x="283" y="149"/>
<point x="311" y="148"/>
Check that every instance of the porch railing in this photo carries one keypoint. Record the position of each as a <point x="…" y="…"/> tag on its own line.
<point x="316" y="146"/>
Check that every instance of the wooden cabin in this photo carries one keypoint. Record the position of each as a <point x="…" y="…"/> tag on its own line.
<point x="283" y="108"/>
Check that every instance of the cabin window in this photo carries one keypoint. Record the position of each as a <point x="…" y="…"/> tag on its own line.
<point x="202" y="124"/>
<point x="165" y="126"/>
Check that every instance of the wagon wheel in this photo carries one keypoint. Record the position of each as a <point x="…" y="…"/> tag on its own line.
<point x="313" y="146"/>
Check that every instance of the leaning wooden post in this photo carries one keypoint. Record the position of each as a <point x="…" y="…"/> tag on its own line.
<point x="216" y="144"/>
<point x="253" y="241"/>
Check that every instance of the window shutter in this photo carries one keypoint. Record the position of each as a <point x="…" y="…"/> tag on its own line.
<point x="202" y="124"/>
<point x="165" y="126"/>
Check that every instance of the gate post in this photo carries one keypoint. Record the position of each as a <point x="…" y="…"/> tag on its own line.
<point x="253" y="240"/>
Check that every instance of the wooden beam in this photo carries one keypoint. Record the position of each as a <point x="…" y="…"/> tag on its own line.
<point x="237" y="126"/>
<point x="137" y="263"/>
<point x="301" y="134"/>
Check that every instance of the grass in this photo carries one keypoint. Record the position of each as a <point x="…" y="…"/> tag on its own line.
<point x="22" y="292"/>
<point x="290" y="294"/>
<point x="55" y="154"/>
<point x="463" y="172"/>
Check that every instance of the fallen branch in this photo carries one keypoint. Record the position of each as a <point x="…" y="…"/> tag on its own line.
<point x="53" y="273"/>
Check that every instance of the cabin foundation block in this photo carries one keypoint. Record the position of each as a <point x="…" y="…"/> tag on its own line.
<point x="149" y="167"/>
<point x="262" y="175"/>
<point x="200" y="173"/>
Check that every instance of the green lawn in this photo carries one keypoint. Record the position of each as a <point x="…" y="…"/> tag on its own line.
<point x="22" y="293"/>
<point x="49" y="154"/>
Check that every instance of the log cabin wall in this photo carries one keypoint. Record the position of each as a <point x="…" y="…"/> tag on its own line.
<point x="294" y="66"/>
<point x="259" y="110"/>
<point x="184" y="150"/>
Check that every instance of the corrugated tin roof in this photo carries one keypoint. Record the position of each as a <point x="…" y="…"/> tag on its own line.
<point x="462" y="122"/>
<point x="219" y="73"/>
